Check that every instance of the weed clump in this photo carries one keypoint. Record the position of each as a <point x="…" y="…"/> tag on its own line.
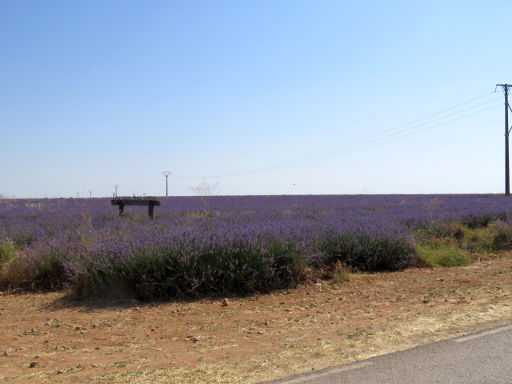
<point x="7" y="249"/>
<point x="459" y="243"/>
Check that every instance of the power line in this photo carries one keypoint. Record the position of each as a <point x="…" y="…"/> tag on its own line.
<point x="383" y="136"/>
<point x="417" y="131"/>
<point x="336" y="150"/>
<point x="385" y="139"/>
<point x="376" y="137"/>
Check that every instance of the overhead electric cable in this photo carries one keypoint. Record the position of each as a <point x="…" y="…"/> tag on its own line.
<point x="402" y="130"/>
<point x="382" y="140"/>
<point x="374" y="137"/>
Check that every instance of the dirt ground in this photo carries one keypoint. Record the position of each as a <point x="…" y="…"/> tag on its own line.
<point x="47" y="337"/>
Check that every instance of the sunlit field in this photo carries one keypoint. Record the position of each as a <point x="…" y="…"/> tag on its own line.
<point x="239" y="244"/>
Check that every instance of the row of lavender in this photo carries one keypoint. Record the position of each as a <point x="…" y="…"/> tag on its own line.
<point x="238" y="243"/>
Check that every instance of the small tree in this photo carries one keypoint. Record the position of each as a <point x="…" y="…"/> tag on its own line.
<point x="431" y="206"/>
<point x="205" y="191"/>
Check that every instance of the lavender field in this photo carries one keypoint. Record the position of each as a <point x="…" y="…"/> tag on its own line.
<point x="225" y="244"/>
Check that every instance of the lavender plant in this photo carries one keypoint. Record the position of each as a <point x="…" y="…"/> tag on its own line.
<point x="251" y="243"/>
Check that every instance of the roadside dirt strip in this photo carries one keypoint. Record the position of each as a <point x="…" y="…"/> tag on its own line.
<point x="46" y="337"/>
<point x="480" y="358"/>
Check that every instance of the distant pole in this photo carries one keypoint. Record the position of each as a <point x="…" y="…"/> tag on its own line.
<point x="77" y="195"/>
<point x="90" y="194"/>
<point x="115" y="186"/>
<point x="166" y="174"/>
<point x="507" y="132"/>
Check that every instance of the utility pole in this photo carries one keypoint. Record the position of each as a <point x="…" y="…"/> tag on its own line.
<point x="166" y="174"/>
<point x="90" y="194"/>
<point x="507" y="131"/>
<point x="115" y="186"/>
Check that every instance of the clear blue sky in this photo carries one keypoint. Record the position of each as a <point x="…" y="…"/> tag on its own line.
<point x="98" y="93"/>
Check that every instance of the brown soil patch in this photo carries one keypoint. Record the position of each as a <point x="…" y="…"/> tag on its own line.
<point x="48" y="338"/>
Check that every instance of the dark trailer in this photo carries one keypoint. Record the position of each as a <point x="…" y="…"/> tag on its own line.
<point x="123" y="201"/>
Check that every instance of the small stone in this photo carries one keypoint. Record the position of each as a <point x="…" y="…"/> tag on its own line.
<point x="60" y="371"/>
<point x="7" y="352"/>
<point x="195" y="339"/>
<point x="425" y="300"/>
<point x="225" y="302"/>
<point x="33" y="364"/>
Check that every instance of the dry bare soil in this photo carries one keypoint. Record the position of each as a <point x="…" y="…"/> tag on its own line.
<point x="47" y="337"/>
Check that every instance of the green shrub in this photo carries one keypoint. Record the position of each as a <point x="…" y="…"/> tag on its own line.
<point x="461" y="240"/>
<point x="170" y="272"/>
<point x="366" y="253"/>
<point x="443" y="256"/>
<point x="48" y="271"/>
<point x="6" y="251"/>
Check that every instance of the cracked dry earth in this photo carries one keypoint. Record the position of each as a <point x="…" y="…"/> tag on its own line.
<point x="47" y="337"/>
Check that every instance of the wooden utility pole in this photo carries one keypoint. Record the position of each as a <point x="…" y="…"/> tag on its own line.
<point x="507" y="131"/>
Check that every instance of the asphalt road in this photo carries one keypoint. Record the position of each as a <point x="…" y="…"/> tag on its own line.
<point x="482" y="357"/>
